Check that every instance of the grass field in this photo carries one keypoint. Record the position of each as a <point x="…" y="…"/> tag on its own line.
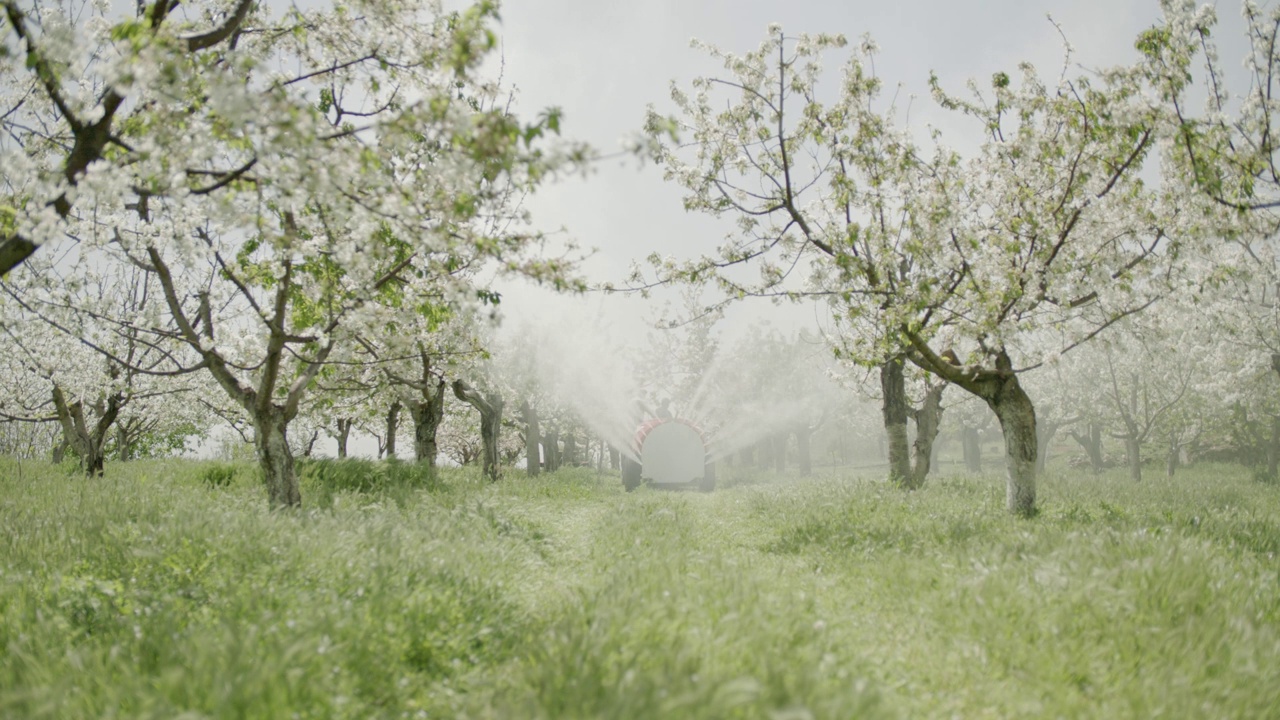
<point x="153" y="593"/>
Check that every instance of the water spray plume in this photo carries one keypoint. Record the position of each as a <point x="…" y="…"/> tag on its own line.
<point x="612" y="387"/>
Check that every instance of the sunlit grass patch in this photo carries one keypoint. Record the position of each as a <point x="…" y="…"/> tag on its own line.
<point x="671" y="627"/>
<point x="152" y="593"/>
<point x="125" y="589"/>
<point x="1068" y="614"/>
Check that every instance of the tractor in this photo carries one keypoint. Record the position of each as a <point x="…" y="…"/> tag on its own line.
<point x="673" y="454"/>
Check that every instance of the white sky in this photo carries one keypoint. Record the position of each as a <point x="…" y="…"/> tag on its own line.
<point x="603" y="62"/>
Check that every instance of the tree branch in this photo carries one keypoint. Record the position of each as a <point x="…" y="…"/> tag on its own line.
<point x="203" y="41"/>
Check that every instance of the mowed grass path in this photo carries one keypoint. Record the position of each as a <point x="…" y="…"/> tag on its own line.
<point x="150" y="594"/>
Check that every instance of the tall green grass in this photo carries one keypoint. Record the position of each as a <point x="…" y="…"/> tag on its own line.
<point x="157" y="593"/>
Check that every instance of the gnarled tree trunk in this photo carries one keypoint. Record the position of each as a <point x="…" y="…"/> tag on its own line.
<point x="426" y="415"/>
<point x="275" y="458"/>
<point x="1003" y="393"/>
<point x="88" y="441"/>
<point x="928" y="419"/>
<point x="1017" y="416"/>
<point x="490" y="409"/>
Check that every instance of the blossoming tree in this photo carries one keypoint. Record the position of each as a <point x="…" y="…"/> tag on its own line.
<point x="946" y="259"/>
<point x="68" y="360"/>
<point x="273" y="171"/>
<point x="1226" y="144"/>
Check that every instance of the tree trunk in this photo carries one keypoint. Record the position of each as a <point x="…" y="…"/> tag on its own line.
<point x="60" y="451"/>
<point x="928" y="419"/>
<point x="129" y="433"/>
<point x="894" y="389"/>
<point x="426" y="415"/>
<point x="344" y="432"/>
<point x="551" y="448"/>
<point x="532" y="438"/>
<point x="1174" y="458"/>
<point x="570" y="457"/>
<point x="1097" y="459"/>
<point x="747" y="456"/>
<point x="311" y="444"/>
<point x="490" y="408"/>
<point x="614" y="458"/>
<point x="1091" y="441"/>
<point x="124" y="444"/>
<point x="971" y="446"/>
<point x="803" y="453"/>
<point x="87" y="441"/>
<point x="275" y="460"/>
<point x="1017" y="416"/>
<point x="393" y="424"/>
<point x="510" y="454"/>
<point x="1133" y="454"/>
<point x="764" y="453"/>
<point x="93" y="463"/>
<point x="1000" y="389"/>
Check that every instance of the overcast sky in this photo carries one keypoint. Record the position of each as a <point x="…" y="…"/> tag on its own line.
<point x="603" y="62"/>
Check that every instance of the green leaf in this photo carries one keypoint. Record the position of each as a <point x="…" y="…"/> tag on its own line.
<point x="129" y="29"/>
<point x="551" y="119"/>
